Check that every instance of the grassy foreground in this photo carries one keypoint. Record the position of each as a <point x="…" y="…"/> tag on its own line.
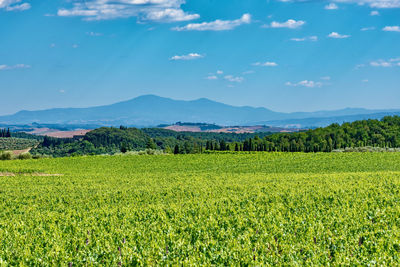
<point x="283" y="208"/>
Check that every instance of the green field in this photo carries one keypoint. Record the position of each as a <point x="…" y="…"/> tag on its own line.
<point x="222" y="209"/>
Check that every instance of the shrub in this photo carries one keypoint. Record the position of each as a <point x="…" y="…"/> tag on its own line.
<point x="6" y="156"/>
<point x="26" y="155"/>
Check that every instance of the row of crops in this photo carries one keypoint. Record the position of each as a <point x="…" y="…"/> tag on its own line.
<point x="250" y="209"/>
<point x="16" y="143"/>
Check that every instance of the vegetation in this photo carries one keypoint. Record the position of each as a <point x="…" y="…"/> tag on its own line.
<point x="5" y="133"/>
<point x="215" y="209"/>
<point x="12" y="143"/>
<point x="374" y="133"/>
<point x="114" y="140"/>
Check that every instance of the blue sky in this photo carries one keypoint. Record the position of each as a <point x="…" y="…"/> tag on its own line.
<point x="284" y="55"/>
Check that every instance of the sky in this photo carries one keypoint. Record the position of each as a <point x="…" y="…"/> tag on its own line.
<point x="280" y="54"/>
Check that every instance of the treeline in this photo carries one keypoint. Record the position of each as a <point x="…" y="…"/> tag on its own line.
<point x="374" y="133"/>
<point x="5" y="133"/>
<point x="368" y="133"/>
<point x="123" y="139"/>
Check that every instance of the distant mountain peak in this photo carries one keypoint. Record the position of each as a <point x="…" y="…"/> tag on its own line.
<point x="152" y="110"/>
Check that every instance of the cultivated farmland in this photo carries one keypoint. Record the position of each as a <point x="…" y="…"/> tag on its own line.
<point x="248" y="208"/>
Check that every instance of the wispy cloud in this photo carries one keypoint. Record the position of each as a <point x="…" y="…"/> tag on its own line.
<point x="13" y="67"/>
<point x="212" y="77"/>
<point x="336" y="35"/>
<point x="374" y="13"/>
<point x="190" y="56"/>
<point x="217" y="25"/>
<point x="368" y="29"/>
<point x="391" y="29"/>
<point x="304" y="39"/>
<point x="305" y="83"/>
<point x="14" y="5"/>
<point x="326" y="78"/>
<point x="94" y="34"/>
<point x="145" y="10"/>
<point x="290" y="24"/>
<point x="371" y="3"/>
<point x="331" y="6"/>
<point x="265" y="64"/>
<point x="385" y="63"/>
<point x="232" y="78"/>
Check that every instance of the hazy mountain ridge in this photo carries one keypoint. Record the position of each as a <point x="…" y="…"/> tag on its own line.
<point x="151" y="110"/>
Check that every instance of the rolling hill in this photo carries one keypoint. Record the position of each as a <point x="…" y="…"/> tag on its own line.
<point x="151" y="110"/>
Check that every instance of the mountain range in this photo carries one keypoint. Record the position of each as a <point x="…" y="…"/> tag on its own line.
<point x="151" y="110"/>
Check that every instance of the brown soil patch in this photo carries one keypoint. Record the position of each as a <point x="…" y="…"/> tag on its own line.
<point x="18" y="152"/>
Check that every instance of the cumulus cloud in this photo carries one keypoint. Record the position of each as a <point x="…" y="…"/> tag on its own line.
<point x="232" y="78"/>
<point x="331" y="6"/>
<point x="12" y="67"/>
<point x="14" y="5"/>
<point x="217" y="25"/>
<point x="265" y="64"/>
<point x="305" y="83"/>
<point x="146" y="10"/>
<point x="391" y="29"/>
<point x="190" y="56"/>
<point x="290" y="24"/>
<point x="336" y="35"/>
<point x="304" y="39"/>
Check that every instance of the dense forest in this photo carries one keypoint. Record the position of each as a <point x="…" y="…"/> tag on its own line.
<point x="383" y="133"/>
<point x="374" y="133"/>
<point x="123" y="139"/>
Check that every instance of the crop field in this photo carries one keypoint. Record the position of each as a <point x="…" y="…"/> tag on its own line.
<point x="219" y="209"/>
<point x="16" y="143"/>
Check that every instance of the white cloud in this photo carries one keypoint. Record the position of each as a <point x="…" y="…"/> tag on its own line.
<point x="212" y="77"/>
<point x="153" y="10"/>
<point x="171" y="14"/>
<point x="61" y="91"/>
<point x="365" y="80"/>
<point x="231" y="78"/>
<point x="219" y="72"/>
<point x="190" y="56"/>
<point x="331" y="6"/>
<point x="368" y="29"/>
<point x="385" y="63"/>
<point x="374" y="13"/>
<point x="14" y="5"/>
<point x="326" y="78"/>
<point x="305" y="83"/>
<point x="336" y="35"/>
<point x="248" y="72"/>
<point x="12" y="67"/>
<point x="370" y="3"/>
<point x="303" y="39"/>
<point x="94" y="34"/>
<point x="217" y="25"/>
<point x="391" y="29"/>
<point x="290" y="24"/>
<point x="265" y="64"/>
